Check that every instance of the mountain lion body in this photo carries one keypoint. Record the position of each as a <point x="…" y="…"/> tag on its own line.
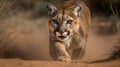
<point x="68" y="30"/>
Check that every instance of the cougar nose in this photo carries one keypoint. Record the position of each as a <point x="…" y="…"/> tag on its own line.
<point x="61" y="31"/>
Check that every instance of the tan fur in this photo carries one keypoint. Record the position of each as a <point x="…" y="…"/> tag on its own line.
<point x="79" y="29"/>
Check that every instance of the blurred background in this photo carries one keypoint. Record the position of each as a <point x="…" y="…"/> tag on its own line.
<point x="24" y="31"/>
<point x="38" y="7"/>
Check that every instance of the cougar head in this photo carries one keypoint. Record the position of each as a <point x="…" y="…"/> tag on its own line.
<point x="63" y="21"/>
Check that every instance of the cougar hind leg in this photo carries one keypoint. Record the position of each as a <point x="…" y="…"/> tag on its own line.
<point x="75" y="53"/>
<point x="78" y="53"/>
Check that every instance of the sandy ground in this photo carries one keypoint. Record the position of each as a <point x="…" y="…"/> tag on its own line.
<point x="32" y="48"/>
<point x="21" y="63"/>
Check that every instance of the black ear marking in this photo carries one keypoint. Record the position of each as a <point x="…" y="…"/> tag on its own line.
<point x="77" y="10"/>
<point x="52" y="10"/>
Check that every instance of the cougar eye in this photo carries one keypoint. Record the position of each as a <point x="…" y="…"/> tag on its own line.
<point x="69" y="21"/>
<point x="55" y="21"/>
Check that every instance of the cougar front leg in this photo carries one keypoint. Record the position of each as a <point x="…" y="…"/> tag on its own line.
<point x="62" y="53"/>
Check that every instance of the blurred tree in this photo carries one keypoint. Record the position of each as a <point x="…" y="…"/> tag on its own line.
<point x="103" y="7"/>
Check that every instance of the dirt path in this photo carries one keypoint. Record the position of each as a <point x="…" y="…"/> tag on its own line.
<point x="21" y="63"/>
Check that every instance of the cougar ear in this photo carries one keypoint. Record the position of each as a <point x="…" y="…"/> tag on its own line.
<point x="51" y="9"/>
<point x="77" y="10"/>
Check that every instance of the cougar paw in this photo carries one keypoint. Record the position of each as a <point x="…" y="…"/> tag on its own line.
<point x="64" y="59"/>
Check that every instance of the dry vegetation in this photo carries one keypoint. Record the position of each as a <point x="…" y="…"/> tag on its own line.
<point x="7" y="8"/>
<point x="116" y="53"/>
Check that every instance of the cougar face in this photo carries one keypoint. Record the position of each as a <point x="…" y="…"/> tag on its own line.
<point x="63" y="25"/>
